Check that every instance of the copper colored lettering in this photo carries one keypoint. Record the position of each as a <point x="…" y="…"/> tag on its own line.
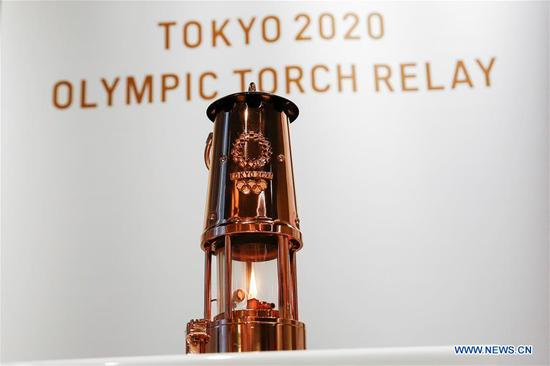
<point x="486" y="70"/>
<point x="218" y="32"/>
<point x="109" y="89"/>
<point x="132" y="89"/>
<point x="55" y="94"/>
<point x="242" y="77"/>
<point x="246" y="28"/>
<point x="314" y="84"/>
<point x="165" y="85"/>
<point x="293" y="79"/>
<point x="261" y="83"/>
<point x="201" y="85"/>
<point x="406" y="76"/>
<point x="378" y="77"/>
<point x="465" y="79"/>
<point x="186" y="32"/>
<point x="166" y="27"/>
<point x="277" y="29"/>
<point x="429" y="79"/>
<point x="83" y="90"/>
<point x="351" y="77"/>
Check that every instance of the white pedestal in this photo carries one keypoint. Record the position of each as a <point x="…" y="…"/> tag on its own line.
<point x="439" y="356"/>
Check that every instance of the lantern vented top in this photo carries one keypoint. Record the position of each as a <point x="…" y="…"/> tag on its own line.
<point x="253" y="98"/>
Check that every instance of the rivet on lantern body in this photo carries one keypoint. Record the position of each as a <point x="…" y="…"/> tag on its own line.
<point x="251" y="230"/>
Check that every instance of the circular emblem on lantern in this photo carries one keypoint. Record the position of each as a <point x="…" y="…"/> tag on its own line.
<point x="251" y="150"/>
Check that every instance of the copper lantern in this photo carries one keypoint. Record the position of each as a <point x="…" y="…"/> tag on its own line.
<point x="251" y="232"/>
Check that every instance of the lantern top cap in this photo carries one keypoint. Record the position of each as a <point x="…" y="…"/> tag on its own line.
<point x="253" y="98"/>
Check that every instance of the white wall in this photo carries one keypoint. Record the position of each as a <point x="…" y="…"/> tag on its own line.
<point x="425" y="213"/>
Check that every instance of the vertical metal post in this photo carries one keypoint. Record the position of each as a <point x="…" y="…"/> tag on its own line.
<point x="283" y="265"/>
<point x="294" y="283"/>
<point x="207" y="283"/>
<point x="228" y="295"/>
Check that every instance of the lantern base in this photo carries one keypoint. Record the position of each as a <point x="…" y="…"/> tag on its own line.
<point x="238" y="335"/>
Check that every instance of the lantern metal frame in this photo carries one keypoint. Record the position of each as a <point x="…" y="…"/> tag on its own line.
<point x="251" y="204"/>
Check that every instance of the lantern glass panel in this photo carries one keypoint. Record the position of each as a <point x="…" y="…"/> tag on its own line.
<point x="254" y="274"/>
<point x="254" y="280"/>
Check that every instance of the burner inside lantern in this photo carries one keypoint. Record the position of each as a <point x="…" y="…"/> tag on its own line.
<point x="254" y="276"/>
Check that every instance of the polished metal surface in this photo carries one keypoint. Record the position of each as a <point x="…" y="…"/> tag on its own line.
<point x="251" y="218"/>
<point x="260" y="334"/>
<point x="251" y="182"/>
